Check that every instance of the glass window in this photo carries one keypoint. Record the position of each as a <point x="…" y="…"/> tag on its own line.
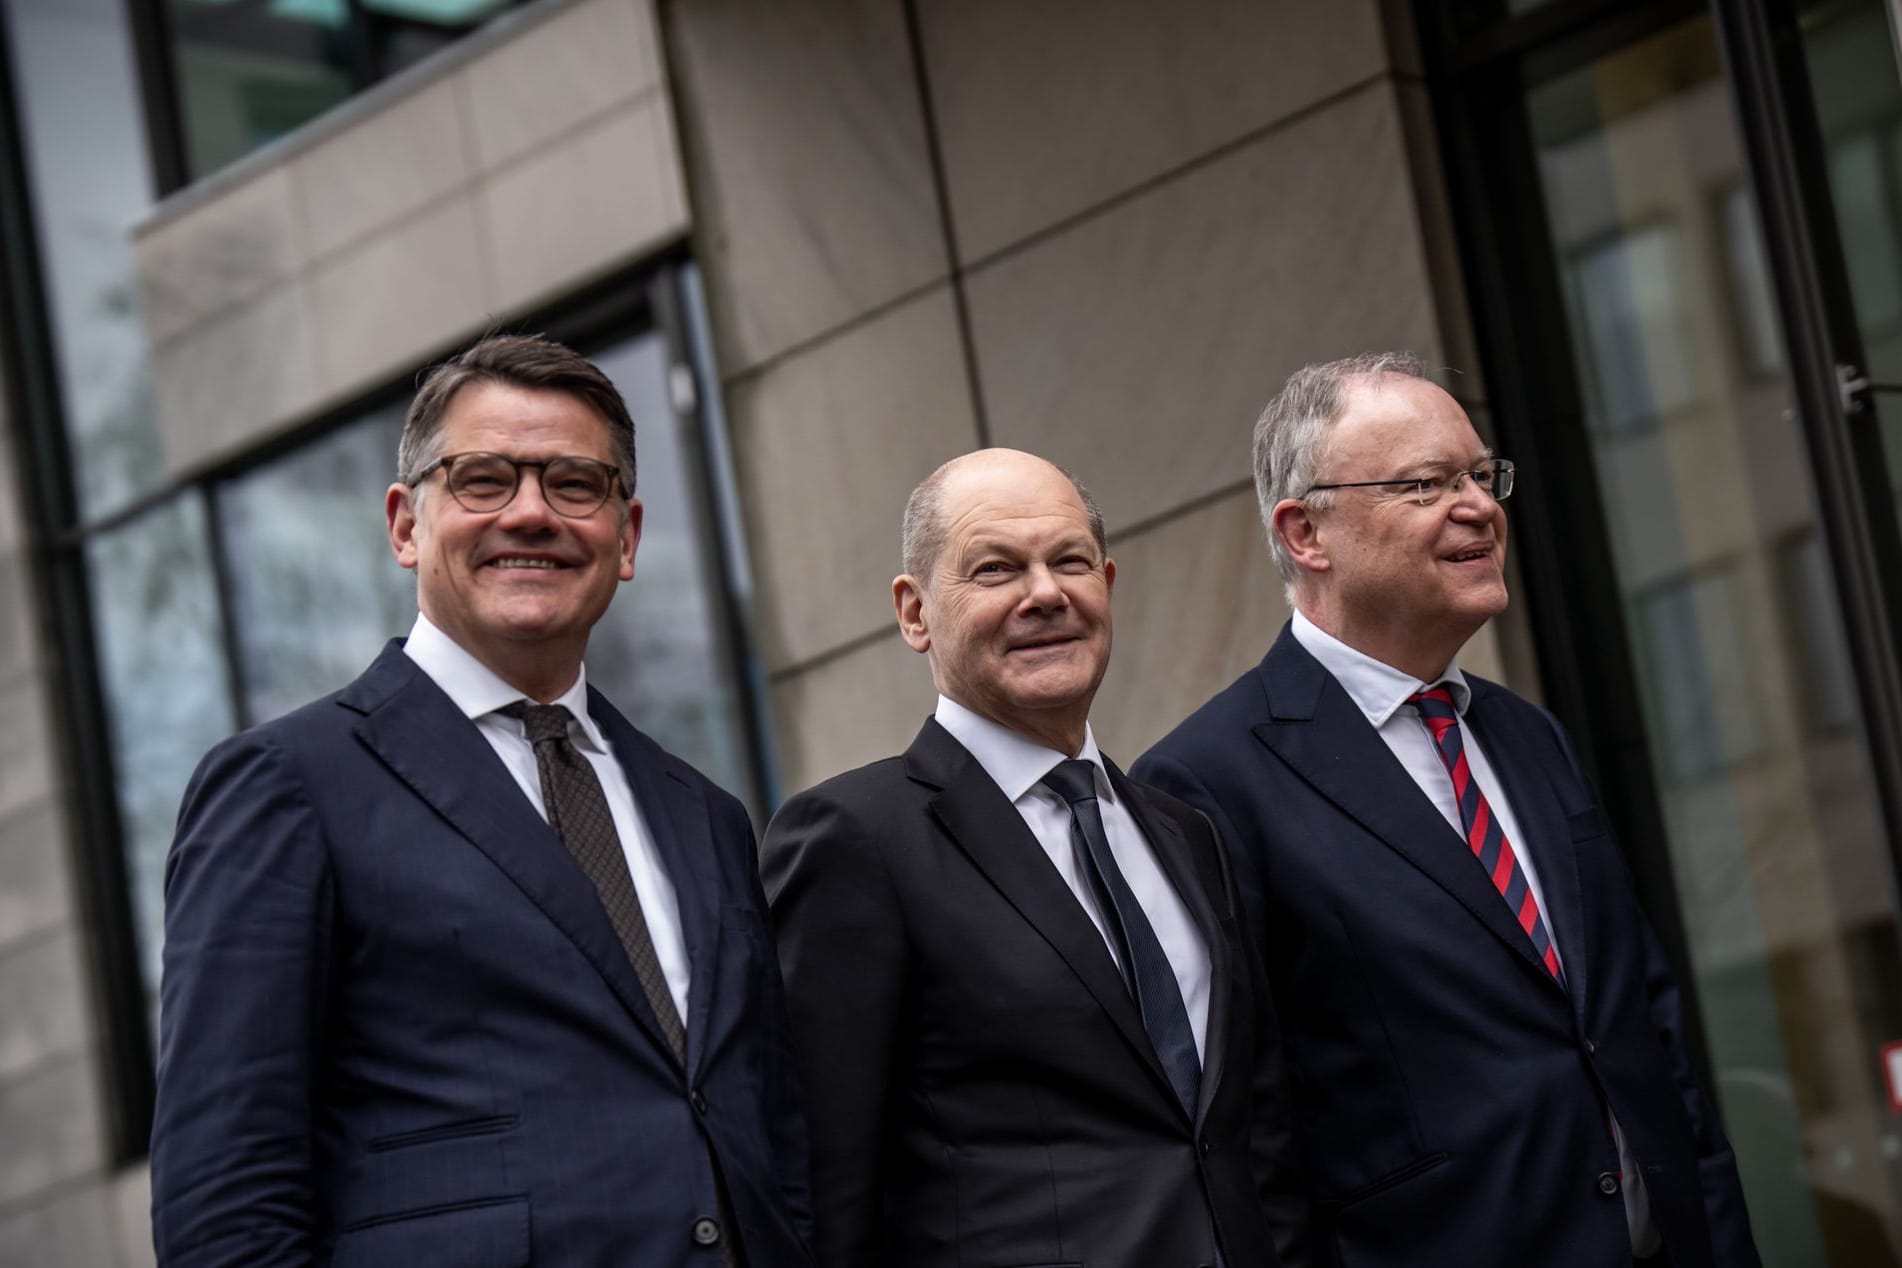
<point x="87" y="171"/>
<point x="1772" y="824"/>
<point x="661" y="651"/>
<point x="1626" y="292"/>
<point x="1851" y="57"/>
<point x="314" y="590"/>
<point x="164" y="677"/>
<point x="1759" y="337"/>
<point x="248" y="71"/>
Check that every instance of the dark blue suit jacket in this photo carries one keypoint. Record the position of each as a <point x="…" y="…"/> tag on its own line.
<point x="397" y="1027"/>
<point x="1450" y="1096"/>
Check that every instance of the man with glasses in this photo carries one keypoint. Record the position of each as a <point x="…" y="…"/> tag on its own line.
<point x="1483" y="1040"/>
<point x="460" y="968"/>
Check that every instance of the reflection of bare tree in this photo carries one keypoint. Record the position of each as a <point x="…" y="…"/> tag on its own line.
<point x="117" y="428"/>
<point x="163" y="675"/>
<point x="314" y="590"/>
<point x="654" y="655"/>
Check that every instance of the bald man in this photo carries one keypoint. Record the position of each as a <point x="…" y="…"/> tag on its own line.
<point x="1029" y="1029"/>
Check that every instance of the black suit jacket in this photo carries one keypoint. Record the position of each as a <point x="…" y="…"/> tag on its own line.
<point x="981" y="1090"/>
<point x="1451" y="1096"/>
<point x="397" y="1027"/>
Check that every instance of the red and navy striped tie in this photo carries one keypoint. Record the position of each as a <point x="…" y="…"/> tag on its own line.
<point x="1483" y="834"/>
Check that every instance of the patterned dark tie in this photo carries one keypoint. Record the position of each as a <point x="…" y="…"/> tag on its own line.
<point x="578" y="812"/>
<point x="1146" y="970"/>
<point x="1484" y="836"/>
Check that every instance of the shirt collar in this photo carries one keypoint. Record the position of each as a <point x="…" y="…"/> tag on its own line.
<point x="1377" y="688"/>
<point x="1014" y="762"/>
<point x="478" y="690"/>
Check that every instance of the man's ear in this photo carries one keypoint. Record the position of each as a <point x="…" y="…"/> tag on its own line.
<point x="630" y="537"/>
<point x="1300" y="535"/>
<point x="399" y="512"/>
<point x="908" y="602"/>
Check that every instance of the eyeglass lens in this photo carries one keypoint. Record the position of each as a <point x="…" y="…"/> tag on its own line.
<point x="571" y="486"/>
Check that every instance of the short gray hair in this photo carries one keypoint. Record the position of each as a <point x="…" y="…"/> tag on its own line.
<point x="1292" y="433"/>
<point x="922" y="537"/>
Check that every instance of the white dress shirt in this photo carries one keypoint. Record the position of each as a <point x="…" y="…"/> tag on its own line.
<point x="1381" y="692"/>
<point x="478" y="691"/>
<point x="1017" y="764"/>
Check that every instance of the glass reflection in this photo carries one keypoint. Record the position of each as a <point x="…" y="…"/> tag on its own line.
<point x="1776" y="842"/>
<point x="249" y="71"/>
<point x="1851" y="48"/>
<point x="314" y="590"/>
<point x="162" y="671"/>
<point x="660" y="653"/>
<point x="86" y="163"/>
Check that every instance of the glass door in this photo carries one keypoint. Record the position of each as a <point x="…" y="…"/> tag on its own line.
<point x="1684" y="567"/>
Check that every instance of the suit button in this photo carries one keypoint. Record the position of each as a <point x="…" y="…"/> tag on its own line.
<point x="698" y="1102"/>
<point x="1205" y="1147"/>
<point x="706" y="1232"/>
<point x="1591" y="1049"/>
<point x="1608" y="1184"/>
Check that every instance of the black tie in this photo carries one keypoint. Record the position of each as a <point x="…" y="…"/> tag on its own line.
<point x="578" y="812"/>
<point x="1146" y="969"/>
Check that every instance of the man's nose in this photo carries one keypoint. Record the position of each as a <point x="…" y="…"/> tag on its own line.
<point x="1043" y="590"/>
<point x="1473" y="502"/>
<point x="528" y="507"/>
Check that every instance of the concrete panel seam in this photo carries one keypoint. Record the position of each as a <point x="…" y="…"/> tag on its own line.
<point x="57" y="1191"/>
<point x="838" y="651"/>
<point x="941" y="191"/>
<point x="1207" y="158"/>
<point x="740" y="378"/>
<point x="1183" y="509"/>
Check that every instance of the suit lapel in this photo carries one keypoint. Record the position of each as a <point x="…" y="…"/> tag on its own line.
<point x="1325" y="739"/>
<point x="1172" y="849"/>
<point x="1541" y="819"/>
<point x="416" y="731"/>
<point x="676" y="817"/>
<point x="993" y="835"/>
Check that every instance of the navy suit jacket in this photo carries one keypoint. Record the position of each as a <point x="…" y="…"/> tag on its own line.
<point x="397" y="1027"/>
<point x="1450" y="1096"/>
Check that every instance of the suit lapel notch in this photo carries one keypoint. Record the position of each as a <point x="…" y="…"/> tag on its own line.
<point x="993" y="835"/>
<point x="420" y="735"/>
<point x="1344" y="759"/>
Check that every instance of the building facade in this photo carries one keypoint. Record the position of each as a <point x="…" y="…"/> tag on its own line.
<point x="824" y="245"/>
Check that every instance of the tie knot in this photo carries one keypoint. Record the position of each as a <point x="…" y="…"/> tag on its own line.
<point x="1436" y="708"/>
<point x="1074" y="781"/>
<point x="542" y="721"/>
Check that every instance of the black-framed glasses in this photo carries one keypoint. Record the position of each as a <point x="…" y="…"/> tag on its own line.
<point x="1494" y="476"/>
<point x="483" y="482"/>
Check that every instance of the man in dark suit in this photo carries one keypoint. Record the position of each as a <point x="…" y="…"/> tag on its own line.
<point x="1483" y="1041"/>
<point x="460" y="968"/>
<point x="1029" y="1030"/>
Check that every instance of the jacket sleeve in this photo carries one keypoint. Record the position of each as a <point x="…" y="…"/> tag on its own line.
<point x="248" y="925"/>
<point x="785" y="1113"/>
<point x="1724" y="1209"/>
<point x="842" y="950"/>
<point x="1274" y="1153"/>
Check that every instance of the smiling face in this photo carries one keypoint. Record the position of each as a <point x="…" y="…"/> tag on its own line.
<point x="519" y="588"/>
<point x="1014" y="612"/>
<point x="1404" y="583"/>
